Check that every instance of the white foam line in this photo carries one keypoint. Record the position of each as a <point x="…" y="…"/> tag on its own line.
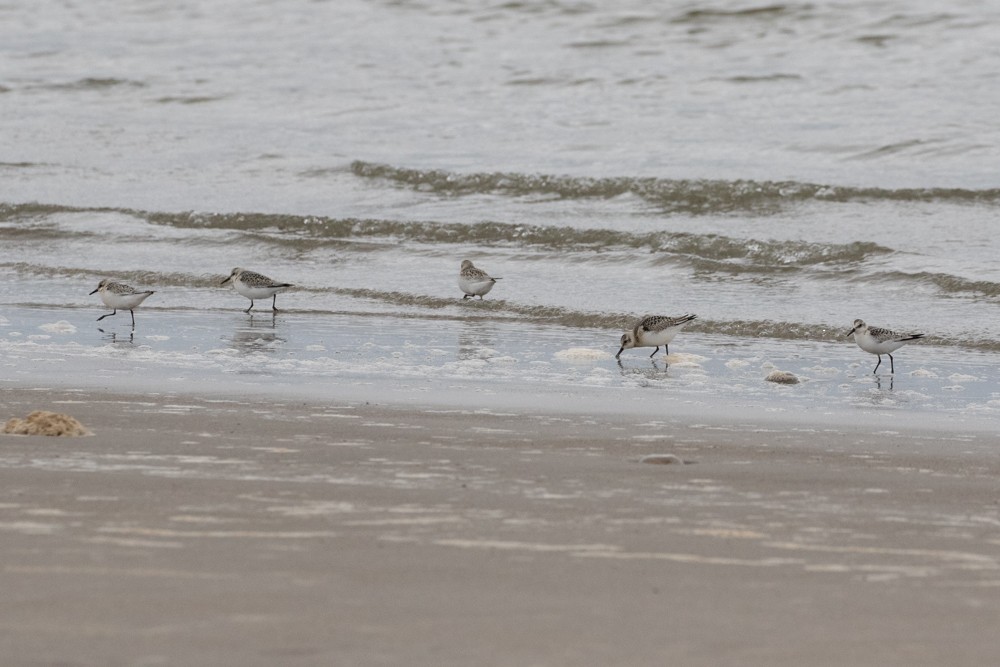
<point x="693" y="558"/>
<point x="921" y="553"/>
<point x="162" y="532"/>
<point x="527" y="546"/>
<point x="141" y="544"/>
<point x="612" y="551"/>
<point x="114" y="572"/>
<point x="416" y="521"/>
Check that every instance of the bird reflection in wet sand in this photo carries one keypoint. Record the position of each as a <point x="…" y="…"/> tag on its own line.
<point x="474" y="341"/>
<point x="657" y="372"/>
<point x="256" y="335"/>
<point x="878" y="382"/>
<point x="113" y="337"/>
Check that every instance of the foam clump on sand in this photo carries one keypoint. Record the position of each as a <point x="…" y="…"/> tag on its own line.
<point x="503" y="360"/>
<point x="782" y="377"/>
<point x="581" y="354"/>
<point x="62" y="326"/>
<point x="683" y="359"/>
<point x="43" y="422"/>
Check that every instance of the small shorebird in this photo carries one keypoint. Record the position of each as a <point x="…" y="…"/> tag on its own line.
<point x="119" y="295"/>
<point x="880" y="341"/>
<point x="654" y="331"/>
<point x="253" y="285"/>
<point x="473" y="281"/>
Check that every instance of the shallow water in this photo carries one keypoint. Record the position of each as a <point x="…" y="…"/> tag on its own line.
<point x="779" y="170"/>
<point x="493" y="364"/>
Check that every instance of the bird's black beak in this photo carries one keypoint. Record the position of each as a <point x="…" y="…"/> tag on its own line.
<point x="849" y="333"/>
<point x="225" y="281"/>
<point x="620" y="350"/>
<point x="95" y="291"/>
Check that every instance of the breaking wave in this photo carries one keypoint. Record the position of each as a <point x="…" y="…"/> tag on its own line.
<point x="710" y="250"/>
<point x="692" y="196"/>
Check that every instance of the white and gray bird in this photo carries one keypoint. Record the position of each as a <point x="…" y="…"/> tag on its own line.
<point x="473" y="281"/>
<point x="654" y="331"/>
<point x="253" y="285"/>
<point x="119" y="295"/>
<point x="880" y="341"/>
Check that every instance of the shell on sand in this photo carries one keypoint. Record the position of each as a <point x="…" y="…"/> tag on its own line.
<point x="43" y="422"/>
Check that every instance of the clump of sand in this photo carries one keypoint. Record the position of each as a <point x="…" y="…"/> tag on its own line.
<point x="782" y="377"/>
<point x="662" y="459"/>
<point x="43" y="422"/>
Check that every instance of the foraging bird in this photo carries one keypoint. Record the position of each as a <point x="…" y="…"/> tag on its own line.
<point x="473" y="281"/>
<point x="654" y="331"/>
<point x="253" y="285"/>
<point x="880" y="341"/>
<point x="119" y="295"/>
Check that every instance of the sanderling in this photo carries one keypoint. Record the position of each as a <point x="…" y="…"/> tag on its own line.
<point x="253" y="285"/>
<point x="473" y="281"/>
<point x="654" y="331"/>
<point x="119" y="295"/>
<point x="880" y="341"/>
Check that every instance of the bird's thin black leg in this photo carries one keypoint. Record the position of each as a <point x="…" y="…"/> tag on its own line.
<point x="466" y="297"/>
<point x="878" y="364"/>
<point x="113" y="312"/>
<point x="251" y="307"/>
<point x="654" y="352"/>
<point x="274" y="303"/>
<point x="133" y="318"/>
<point x="892" y="366"/>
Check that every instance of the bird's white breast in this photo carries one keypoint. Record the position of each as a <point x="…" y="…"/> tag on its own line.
<point x="476" y="286"/>
<point x="123" y="301"/>
<point x="255" y="292"/>
<point x="872" y="345"/>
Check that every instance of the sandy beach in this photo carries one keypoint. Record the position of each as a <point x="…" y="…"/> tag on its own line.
<point x="368" y="468"/>
<point x="193" y="531"/>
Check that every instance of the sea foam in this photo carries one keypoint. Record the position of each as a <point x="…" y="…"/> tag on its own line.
<point x="581" y="354"/>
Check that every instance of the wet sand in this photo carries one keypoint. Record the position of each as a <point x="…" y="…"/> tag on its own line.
<point x="191" y="531"/>
<point x="196" y="532"/>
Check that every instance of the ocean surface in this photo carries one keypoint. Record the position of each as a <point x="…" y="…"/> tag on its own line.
<point x="779" y="169"/>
